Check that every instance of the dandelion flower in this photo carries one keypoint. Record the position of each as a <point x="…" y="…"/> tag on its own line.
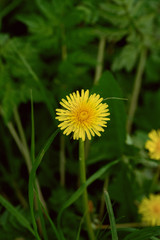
<point x="149" y="209"/>
<point x="83" y="115"/>
<point x="153" y="144"/>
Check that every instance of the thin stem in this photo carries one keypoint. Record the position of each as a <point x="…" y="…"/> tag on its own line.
<point x="122" y="225"/>
<point x="25" y="151"/>
<point x="23" y="138"/>
<point x="100" y="57"/>
<point x="85" y="194"/>
<point x="64" y="46"/>
<point x="27" y="160"/>
<point x="136" y="89"/>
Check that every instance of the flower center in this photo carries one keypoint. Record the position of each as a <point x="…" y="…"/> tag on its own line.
<point x="83" y="115"/>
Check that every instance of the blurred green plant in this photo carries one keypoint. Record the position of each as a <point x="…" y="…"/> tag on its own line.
<point x="54" y="48"/>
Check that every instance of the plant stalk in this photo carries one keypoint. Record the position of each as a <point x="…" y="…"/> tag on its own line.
<point x="24" y="149"/>
<point x="136" y="89"/>
<point x="123" y="225"/>
<point x="85" y="194"/>
<point x="28" y="163"/>
<point x="100" y="58"/>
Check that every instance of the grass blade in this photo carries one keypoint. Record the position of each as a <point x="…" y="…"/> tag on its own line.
<point x="20" y="218"/>
<point x="32" y="178"/>
<point x="80" y="225"/>
<point x="111" y="216"/>
<point x="32" y="184"/>
<point x="33" y="131"/>
<point x="51" y="222"/>
<point x="41" y="216"/>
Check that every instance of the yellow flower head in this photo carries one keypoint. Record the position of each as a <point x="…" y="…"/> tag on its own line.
<point x="149" y="209"/>
<point x="153" y="145"/>
<point x="83" y="115"/>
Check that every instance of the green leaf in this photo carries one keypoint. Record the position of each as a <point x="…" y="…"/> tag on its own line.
<point x="37" y="25"/>
<point x="111" y="34"/>
<point x="9" y="7"/>
<point x="20" y="218"/>
<point x="116" y="130"/>
<point x="154" y="238"/>
<point x="117" y="20"/>
<point x="34" y="76"/>
<point x="46" y="8"/>
<point x="127" y="58"/>
<point x="112" y="8"/>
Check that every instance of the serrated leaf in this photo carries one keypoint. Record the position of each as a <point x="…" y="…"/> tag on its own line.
<point x="37" y="25"/>
<point x="118" y="21"/>
<point x="79" y="57"/>
<point x="127" y="58"/>
<point x="145" y="23"/>
<point x="46" y="8"/>
<point x="112" y="8"/>
<point x="111" y="34"/>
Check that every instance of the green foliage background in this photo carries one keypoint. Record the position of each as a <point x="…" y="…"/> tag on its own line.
<point x="49" y="49"/>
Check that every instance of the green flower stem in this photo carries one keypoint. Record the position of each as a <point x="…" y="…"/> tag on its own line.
<point x="85" y="195"/>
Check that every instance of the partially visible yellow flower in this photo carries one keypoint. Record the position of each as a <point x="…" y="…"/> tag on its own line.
<point x="153" y="145"/>
<point x="149" y="209"/>
<point x="83" y="115"/>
